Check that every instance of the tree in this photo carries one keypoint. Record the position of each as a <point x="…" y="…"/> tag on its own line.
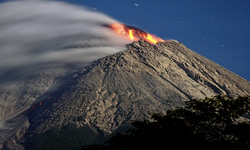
<point x="220" y="122"/>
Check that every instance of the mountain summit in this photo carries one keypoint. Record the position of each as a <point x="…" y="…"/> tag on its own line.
<point x="131" y="84"/>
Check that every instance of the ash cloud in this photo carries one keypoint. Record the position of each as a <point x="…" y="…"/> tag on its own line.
<point x="51" y="34"/>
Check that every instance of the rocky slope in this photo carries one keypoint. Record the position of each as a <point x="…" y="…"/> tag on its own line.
<point x="133" y="83"/>
<point x="130" y="85"/>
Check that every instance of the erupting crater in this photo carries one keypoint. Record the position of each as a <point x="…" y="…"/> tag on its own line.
<point x="134" y="33"/>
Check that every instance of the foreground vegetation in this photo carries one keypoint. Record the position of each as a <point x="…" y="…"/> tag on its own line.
<point x="219" y="122"/>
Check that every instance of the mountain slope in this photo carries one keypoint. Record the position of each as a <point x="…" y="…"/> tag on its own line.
<point x="105" y="96"/>
<point x="131" y="84"/>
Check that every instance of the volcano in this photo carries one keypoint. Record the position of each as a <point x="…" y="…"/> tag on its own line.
<point x="105" y="96"/>
<point x="131" y="84"/>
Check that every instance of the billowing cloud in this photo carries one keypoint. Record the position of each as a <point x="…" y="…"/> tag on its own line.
<point x="39" y="33"/>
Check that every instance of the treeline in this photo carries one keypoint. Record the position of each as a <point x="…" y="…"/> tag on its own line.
<point x="219" y="122"/>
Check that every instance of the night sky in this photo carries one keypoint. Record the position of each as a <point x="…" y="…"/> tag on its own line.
<point x="216" y="29"/>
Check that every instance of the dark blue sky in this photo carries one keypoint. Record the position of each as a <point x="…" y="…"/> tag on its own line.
<point x="216" y="29"/>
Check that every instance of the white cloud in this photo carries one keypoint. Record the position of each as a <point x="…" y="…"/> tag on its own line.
<point x="35" y="33"/>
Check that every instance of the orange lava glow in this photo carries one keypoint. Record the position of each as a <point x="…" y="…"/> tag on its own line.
<point x="134" y="33"/>
<point x="131" y="34"/>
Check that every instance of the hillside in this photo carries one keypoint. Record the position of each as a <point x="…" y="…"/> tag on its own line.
<point x="130" y="85"/>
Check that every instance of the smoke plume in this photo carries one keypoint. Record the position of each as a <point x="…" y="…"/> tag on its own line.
<point x="47" y="34"/>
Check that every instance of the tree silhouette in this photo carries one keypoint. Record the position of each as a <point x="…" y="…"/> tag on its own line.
<point x="220" y="122"/>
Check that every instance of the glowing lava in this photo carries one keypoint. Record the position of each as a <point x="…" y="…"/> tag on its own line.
<point x="131" y="34"/>
<point x="134" y="33"/>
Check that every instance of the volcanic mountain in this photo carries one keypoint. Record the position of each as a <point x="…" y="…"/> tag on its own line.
<point x="146" y="78"/>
